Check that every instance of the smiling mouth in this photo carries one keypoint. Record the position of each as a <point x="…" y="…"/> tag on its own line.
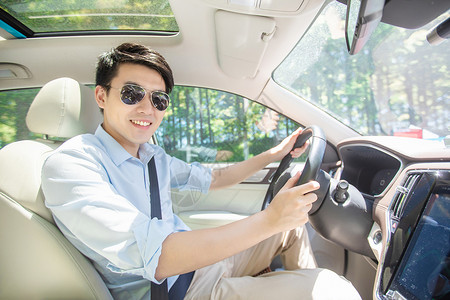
<point x="141" y="123"/>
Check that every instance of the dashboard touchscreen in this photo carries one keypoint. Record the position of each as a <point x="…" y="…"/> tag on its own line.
<point x="423" y="271"/>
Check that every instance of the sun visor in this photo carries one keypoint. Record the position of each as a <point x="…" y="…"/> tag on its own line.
<point x="241" y="42"/>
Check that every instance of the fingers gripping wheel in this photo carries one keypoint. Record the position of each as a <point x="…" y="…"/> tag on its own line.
<point x="312" y="164"/>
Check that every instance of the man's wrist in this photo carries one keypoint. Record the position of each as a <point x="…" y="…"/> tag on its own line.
<point x="275" y="154"/>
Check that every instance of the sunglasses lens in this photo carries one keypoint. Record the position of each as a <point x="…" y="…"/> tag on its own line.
<point x="160" y="100"/>
<point x="132" y="94"/>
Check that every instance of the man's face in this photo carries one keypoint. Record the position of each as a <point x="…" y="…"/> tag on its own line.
<point x="131" y="125"/>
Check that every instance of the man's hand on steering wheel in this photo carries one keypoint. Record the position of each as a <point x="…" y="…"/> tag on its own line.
<point x="287" y="145"/>
<point x="290" y="207"/>
<point x="296" y="144"/>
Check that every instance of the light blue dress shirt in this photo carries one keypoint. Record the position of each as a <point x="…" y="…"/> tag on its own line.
<point x="99" y="196"/>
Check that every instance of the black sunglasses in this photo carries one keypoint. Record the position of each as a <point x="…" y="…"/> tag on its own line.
<point x="132" y="94"/>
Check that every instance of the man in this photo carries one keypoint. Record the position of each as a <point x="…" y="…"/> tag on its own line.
<point x="97" y="187"/>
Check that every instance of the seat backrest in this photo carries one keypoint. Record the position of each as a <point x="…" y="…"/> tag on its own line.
<point x="36" y="260"/>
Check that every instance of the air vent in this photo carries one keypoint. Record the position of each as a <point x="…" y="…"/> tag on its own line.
<point x="401" y="195"/>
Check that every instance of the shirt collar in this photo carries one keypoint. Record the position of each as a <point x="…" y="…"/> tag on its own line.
<point x="146" y="152"/>
<point x="117" y="153"/>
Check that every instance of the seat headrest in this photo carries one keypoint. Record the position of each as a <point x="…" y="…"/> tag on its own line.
<point x="64" y="108"/>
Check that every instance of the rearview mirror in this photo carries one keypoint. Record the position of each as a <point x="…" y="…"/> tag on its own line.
<point x="362" y="18"/>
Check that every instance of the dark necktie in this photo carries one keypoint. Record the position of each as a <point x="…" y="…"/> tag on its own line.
<point x="180" y="287"/>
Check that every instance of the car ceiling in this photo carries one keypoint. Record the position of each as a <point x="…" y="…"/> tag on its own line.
<point x="207" y="51"/>
<point x="203" y="53"/>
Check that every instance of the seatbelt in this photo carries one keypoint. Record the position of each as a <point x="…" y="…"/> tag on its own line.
<point x="181" y="285"/>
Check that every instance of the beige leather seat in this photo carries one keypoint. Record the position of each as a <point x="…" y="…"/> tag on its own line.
<point x="36" y="260"/>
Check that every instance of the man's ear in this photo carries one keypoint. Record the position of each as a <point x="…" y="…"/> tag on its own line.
<point x="100" y="96"/>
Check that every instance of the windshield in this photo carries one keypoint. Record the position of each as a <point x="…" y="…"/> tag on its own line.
<point x="398" y="84"/>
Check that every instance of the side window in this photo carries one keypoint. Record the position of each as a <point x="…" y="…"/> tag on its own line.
<point x="14" y="106"/>
<point x="207" y="126"/>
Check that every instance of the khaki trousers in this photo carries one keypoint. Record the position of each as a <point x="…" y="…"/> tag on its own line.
<point x="233" y="277"/>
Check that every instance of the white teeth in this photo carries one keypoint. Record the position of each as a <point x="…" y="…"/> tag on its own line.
<point x="142" y="123"/>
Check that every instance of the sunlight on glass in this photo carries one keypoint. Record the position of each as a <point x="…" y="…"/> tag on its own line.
<point x="397" y="85"/>
<point x="211" y="126"/>
<point x="66" y="15"/>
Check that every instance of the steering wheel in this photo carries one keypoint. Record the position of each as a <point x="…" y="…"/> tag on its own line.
<point x="344" y="220"/>
<point x="312" y="164"/>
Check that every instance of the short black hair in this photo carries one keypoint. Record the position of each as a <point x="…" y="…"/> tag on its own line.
<point x="109" y="62"/>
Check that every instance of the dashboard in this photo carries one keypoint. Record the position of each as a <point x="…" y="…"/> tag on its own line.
<point x="408" y="181"/>
<point x="369" y="168"/>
